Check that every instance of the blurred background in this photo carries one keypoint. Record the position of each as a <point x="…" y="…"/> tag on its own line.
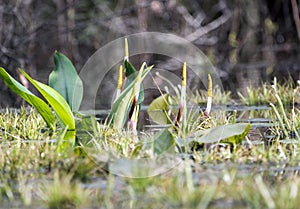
<point x="249" y="41"/>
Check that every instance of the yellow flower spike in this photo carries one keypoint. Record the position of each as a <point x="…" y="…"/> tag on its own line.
<point x="126" y="50"/>
<point x="120" y="78"/>
<point x="184" y="74"/>
<point x="209" y="96"/>
<point x="120" y="81"/>
<point x="209" y="87"/>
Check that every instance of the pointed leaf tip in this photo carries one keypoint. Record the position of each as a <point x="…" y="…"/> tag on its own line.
<point x="65" y="80"/>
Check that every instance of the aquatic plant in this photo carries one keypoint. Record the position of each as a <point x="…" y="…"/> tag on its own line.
<point x="55" y="100"/>
<point x="260" y="95"/>
<point x="65" y="80"/>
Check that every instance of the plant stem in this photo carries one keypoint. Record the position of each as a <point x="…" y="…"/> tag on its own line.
<point x="126" y="50"/>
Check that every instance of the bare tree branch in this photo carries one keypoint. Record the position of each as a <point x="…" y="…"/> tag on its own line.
<point x="296" y="16"/>
<point x="209" y="27"/>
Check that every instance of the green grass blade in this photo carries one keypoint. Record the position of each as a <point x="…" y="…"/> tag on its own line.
<point x="280" y="121"/>
<point x="57" y="102"/>
<point x="65" y="80"/>
<point x="29" y="97"/>
<point x="283" y="112"/>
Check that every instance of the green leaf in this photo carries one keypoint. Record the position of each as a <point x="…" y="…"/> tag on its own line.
<point x="58" y="103"/>
<point x="86" y="126"/>
<point x="158" y="108"/>
<point x="29" y="97"/>
<point x="65" y="80"/>
<point x="129" y="69"/>
<point x="237" y="139"/>
<point x="120" y="107"/>
<point x="131" y="74"/>
<point x="121" y="113"/>
<point x="164" y="142"/>
<point x="233" y="133"/>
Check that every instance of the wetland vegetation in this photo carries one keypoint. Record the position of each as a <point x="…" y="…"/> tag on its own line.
<point x="230" y="155"/>
<point x="204" y="147"/>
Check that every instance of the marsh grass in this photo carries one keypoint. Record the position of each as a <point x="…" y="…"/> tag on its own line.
<point x="62" y="192"/>
<point x="24" y="123"/>
<point x="262" y="95"/>
<point x="257" y="174"/>
<point x="219" y="96"/>
<point x="33" y="175"/>
<point x="288" y="91"/>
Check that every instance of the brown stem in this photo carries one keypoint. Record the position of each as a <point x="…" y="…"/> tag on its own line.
<point x="132" y="107"/>
<point x="177" y="122"/>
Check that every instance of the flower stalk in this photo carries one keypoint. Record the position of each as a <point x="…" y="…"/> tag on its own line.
<point x="209" y="96"/>
<point x="126" y="50"/>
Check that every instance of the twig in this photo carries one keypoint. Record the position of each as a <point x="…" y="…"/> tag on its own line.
<point x="296" y="16"/>
<point x="209" y="27"/>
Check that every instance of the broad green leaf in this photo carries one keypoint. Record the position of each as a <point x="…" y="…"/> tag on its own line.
<point x="164" y="142"/>
<point x="233" y="132"/>
<point x="65" y="80"/>
<point x="158" y="108"/>
<point x="29" y="97"/>
<point x="237" y="139"/>
<point x="86" y="126"/>
<point x="58" y="103"/>
<point x="119" y="110"/>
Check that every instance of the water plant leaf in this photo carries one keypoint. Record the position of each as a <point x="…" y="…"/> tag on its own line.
<point x="164" y="142"/>
<point x="129" y="68"/>
<point x="233" y="133"/>
<point x="65" y="80"/>
<point x="86" y="126"/>
<point x="131" y="74"/>
<point x="237" y="139"/>
<point x="122" y="111"/>
<point x="58" y="103"/>
<point x="120" y="108"/>
<point x="29" y="97"/>
<point x="158" y="108"/>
